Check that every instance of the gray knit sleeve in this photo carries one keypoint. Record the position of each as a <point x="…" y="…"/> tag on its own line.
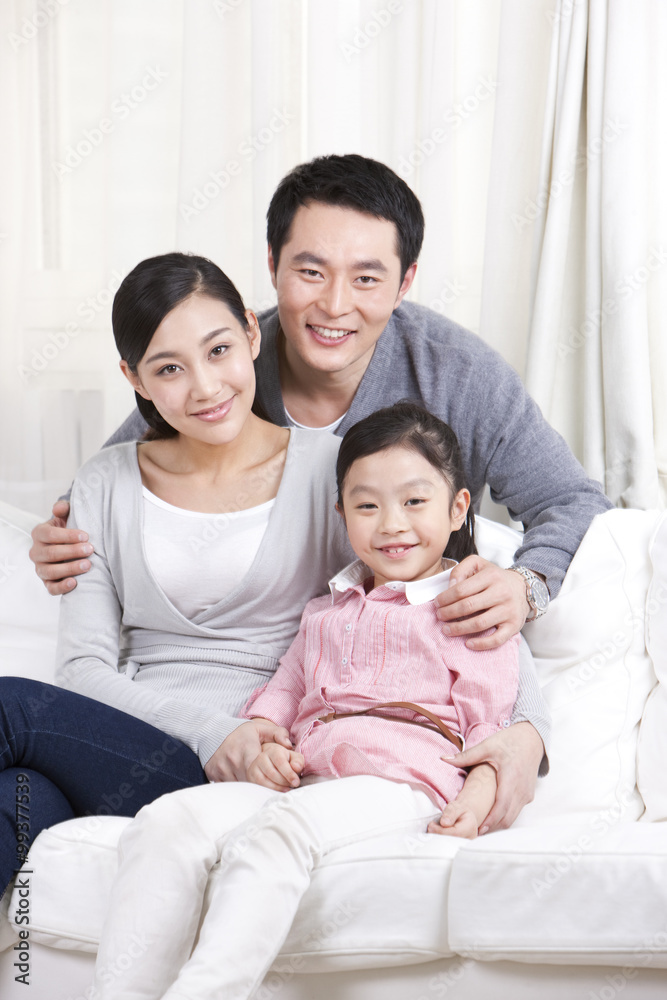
<point x="531" y="470"/>
<point x="530" y="705"/>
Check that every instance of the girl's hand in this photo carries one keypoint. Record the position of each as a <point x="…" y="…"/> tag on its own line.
<point x="457" y="820"/>
<point x="231" y="760"/>
<point x="515" y="754"/>
<point x="277" y="768"/>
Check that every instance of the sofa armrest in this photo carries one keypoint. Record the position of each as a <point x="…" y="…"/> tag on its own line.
<point x="28" y="613"/>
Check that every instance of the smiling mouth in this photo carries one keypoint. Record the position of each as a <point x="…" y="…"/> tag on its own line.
<point x="396" y="550"/>
<point x="213" y="412"/>
<point x="328" y="333"/>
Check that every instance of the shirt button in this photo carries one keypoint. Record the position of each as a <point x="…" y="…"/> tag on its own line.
<point x="348" y="628"/>
<point x="506" y="723"/>
<point x="345" y="659"/>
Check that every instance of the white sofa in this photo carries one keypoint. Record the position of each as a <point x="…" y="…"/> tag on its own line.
<point x="571" y="902"/>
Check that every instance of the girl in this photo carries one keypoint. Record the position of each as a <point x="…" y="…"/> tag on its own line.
<point x="340" y="688"/>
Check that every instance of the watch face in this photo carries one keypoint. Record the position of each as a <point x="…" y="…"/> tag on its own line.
<point x="540" y="594"/>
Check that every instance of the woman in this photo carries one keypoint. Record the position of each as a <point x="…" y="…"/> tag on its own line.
<point x="208" y="542"/>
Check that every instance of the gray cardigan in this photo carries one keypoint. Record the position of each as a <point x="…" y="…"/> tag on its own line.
<point x="123" y="643"/>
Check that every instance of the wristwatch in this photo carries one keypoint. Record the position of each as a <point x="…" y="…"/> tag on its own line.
<point x="537" y="593"/>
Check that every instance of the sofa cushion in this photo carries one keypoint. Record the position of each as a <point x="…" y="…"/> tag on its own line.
<point x="496" y="542"/>
<point x="362" y="910"/>
<point x="596" y="673"/>
<point x="593" y="894"/>
<point x="589" y="894"/>
<point x="598" y="651"/>
<point x="652" y="746"/>
<point x="28" y="613"/>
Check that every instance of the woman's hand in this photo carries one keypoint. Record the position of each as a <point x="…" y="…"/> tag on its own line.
<point x="58" y="552"/>
<point x="231" y="760"/>
<point x="277" y="768"/>
<point x="515" y="754"/>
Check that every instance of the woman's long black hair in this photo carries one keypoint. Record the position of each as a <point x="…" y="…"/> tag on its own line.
<point x="148" y="293"/>
<point x="408" y="425"/>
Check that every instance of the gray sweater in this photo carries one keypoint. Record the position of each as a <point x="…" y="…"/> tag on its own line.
<point x="505" y="440"/>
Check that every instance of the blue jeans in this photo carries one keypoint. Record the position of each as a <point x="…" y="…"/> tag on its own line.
<point x="64" y="755"/>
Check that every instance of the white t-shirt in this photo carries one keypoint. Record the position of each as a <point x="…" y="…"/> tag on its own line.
<point x="304" y="427"/>
<point x="196" y="558"/>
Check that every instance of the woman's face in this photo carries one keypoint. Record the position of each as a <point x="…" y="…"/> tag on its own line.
<point x="198" y="370"/>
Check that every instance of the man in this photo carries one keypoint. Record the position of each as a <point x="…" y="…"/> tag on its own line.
<point x="344" y="235"/>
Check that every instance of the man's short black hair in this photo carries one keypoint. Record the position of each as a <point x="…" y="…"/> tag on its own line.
<point x="351" y="181"/>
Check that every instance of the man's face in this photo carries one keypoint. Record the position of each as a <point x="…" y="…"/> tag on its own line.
<point x="338" y="281"/>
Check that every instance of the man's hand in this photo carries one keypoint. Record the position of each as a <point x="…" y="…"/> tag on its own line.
<point x="58" y="552"/>
<point x="487" y="597"/>
<point x="515" y="754"/>
<point x="231" y="760"/>
<point x="276" y="767"/>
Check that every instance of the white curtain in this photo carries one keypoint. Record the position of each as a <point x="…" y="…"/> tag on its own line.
<point x="133" y="127"/>
<point x="577" y="233"/>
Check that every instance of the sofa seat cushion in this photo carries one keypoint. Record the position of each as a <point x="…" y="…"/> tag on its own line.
<point x="380" y="902"/>
<point x="590" y="894"/>
<point x="73" y="865"/>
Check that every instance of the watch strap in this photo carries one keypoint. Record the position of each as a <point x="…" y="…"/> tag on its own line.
<point x="530" y="577"/>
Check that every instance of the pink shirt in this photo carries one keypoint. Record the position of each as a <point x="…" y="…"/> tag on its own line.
<point x="355" y="650"/>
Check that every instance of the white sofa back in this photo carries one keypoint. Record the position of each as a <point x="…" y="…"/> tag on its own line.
<point x="597" y="672"/>
<point x="600" y="652"/>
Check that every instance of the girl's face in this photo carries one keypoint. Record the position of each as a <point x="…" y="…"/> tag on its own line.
<point x="198" y="370"/>
<point x="399" y="513"/>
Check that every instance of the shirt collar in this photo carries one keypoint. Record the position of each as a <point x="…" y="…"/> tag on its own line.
<point x="416" y="591"/>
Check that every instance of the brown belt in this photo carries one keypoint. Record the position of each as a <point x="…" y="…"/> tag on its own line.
<point x="434" y="721"/>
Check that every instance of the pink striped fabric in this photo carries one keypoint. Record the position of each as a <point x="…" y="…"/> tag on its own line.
<point x="370" y="648"/>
